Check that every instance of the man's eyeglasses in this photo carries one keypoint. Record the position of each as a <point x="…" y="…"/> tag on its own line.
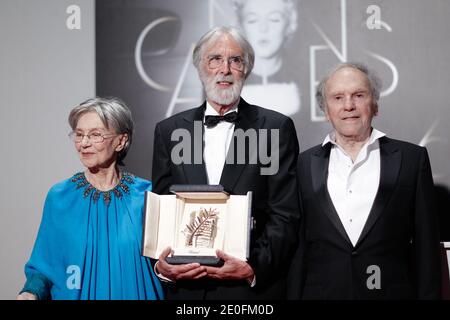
<point x="236" y="62"/>
<point x="95" y="137"/>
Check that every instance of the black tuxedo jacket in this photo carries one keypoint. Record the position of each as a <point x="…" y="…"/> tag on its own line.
<point x="275" y="208"/>
<point x="400" y="235"/>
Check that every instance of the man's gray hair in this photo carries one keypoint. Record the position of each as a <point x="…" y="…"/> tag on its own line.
<point x="374" y="82"/>
<point x="212" y="35"/>
<point x="113" y="113"/>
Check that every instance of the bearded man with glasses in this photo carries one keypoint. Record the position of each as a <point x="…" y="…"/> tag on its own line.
<point x="224" y="59"/>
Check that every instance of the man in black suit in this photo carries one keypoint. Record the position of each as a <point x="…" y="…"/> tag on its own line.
<point x="368" y="220"/>
<point x="224" y="59"/>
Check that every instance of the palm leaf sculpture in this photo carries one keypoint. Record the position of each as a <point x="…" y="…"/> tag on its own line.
<point x="201" y="230"/>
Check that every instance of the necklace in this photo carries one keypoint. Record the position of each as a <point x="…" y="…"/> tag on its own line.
<point x="122" y="187"/>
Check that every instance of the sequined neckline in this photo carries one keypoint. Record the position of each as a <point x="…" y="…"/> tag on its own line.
<point x="122" y="187"/>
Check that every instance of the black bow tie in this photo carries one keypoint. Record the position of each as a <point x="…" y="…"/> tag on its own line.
<point x="212" y="121"/>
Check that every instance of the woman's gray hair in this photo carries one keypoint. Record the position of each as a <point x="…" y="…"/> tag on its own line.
<point x="374" y="82"/>
<point x="113" y="113"/>
<point x="212" y="35"/>
<point x="290" y="8"/>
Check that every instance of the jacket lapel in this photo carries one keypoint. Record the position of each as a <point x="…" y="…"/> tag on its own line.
<point x="390" y="157"/>
<point x="319" y="171"/>
<point x="247" y="115"/>
<point x="195" y="172"/>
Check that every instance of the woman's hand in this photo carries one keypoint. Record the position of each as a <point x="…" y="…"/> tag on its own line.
<point x="26" y="296"/>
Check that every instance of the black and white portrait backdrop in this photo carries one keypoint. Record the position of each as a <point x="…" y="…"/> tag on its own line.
<point x="144" y="50"/>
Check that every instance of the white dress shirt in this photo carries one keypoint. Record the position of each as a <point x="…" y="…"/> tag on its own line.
<point x="216" y="143"/>
<point x="353" y="185"/>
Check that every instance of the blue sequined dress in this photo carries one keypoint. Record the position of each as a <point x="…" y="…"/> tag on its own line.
<point x="89" y="243"/>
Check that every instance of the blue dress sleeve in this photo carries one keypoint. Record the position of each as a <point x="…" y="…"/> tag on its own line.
<point x="38" y="269"/>
<point x="37" y="284"/>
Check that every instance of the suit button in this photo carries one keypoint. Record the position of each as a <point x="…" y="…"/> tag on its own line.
<point x="253" y="224"/>
<point x="354" y="253"/>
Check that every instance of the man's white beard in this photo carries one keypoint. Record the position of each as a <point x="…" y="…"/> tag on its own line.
<point x="218" y="95"/>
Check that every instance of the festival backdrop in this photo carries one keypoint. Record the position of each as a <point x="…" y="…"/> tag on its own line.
<point x="144" y="56"/>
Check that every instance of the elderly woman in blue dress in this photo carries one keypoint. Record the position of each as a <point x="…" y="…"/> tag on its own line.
<point x="89" y="240"/>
